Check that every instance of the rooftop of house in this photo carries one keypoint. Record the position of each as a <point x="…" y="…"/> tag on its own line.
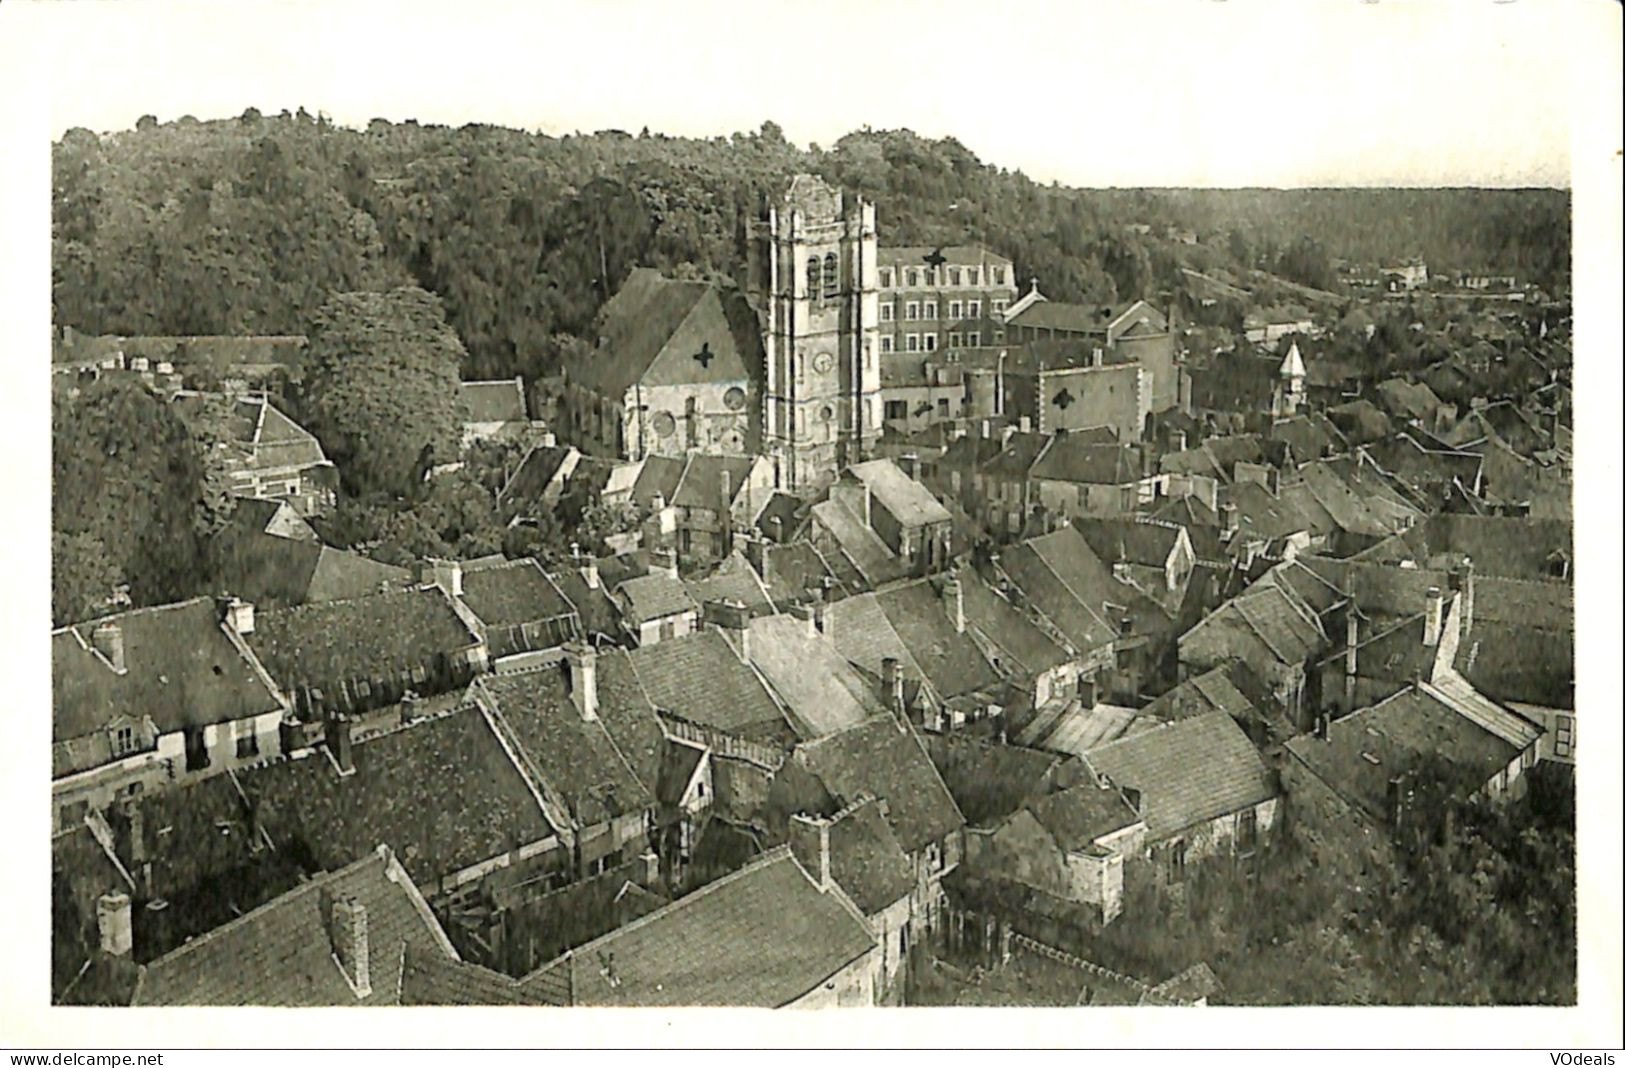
<point x="704" y="477"/>
<point x="629" y="715"/>
<point x="781" y="517"/>
<point x="860" y="629"/>
<point x="1073" y="728"/>
<point x="1367" y="748"/>
<point x="910" y="503"/>
<point x="1211" y="691"/>
<point x="1130" y="540"/>
<point x="513" y="592"/>
<point x="1084" y="318"/>
<point x="866" y="860"/>
<point x="952" y="256"/>
<point x="950" y="660"/>
<point x="501" y="401"/>
<point x="1021" y="643"/>
<point x="821" y="690"/>
<point x="884" y="758"/>
<point x="654" y="596"/>
<point x="1072" y="459"/>
<point x="1262" y="515"/>
<point x="274" y="572"/>
<point x="1310" y="436"/>
<point x="988" y="780"/>
<point x="1408" y="400"/>
<point x="572" y="760"/>
<point x="1265" y="616"/>
<point x="1089" y="580"/>
<point x="654" y="329"/>
<point x="1521" y="643"/>
<point x="796" y="573"/>
<point x="1360" y="421"/>
<point x="536" y="471"/>
<point x="283" y="953"/>
<point x="857" y="541"/>
<point x="262" y="437"/>
<point x="180" y="668"/>
<point x="360" y="638"/>
<point x="553" y="923"/>
<point x="397" y="794"/>
<point x="1017" y="456"/>
<point x="1076" y="816"/>
<point x="688" y="953"/>
<point x="700" y="677"/>
<point x="432" y="978"/>
<point x="1188" y="772"/>
<point x="733" y="579"/>
<point x="592" y="603"/>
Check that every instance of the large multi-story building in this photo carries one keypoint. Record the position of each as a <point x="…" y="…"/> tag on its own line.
<point x="942" y="298"/>
<point x="813" y="276"/>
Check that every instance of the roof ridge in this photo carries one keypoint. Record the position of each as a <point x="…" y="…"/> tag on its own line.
<point x="151" y="608"/>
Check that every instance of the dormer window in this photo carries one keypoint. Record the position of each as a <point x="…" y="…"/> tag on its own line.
<point x="124" y="740"/>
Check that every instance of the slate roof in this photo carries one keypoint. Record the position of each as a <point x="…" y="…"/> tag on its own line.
<point x="1075" y="318"/>
<point x="1075" y="817"/>
<point x="769" y="913"/>
<point x="593" y="606"/>
<point x="733" y="579"/>
<point x="1018" y="639"/>
<point x="1310" y="436"/>
<point x="989" y="781"/>
<point x="778" y="519"/>
<point x="514" y="592"/>
<point x="1015" y="460"/>
<point x="1399" y="733"/>
<point x="1076" y="461"/>
<point x="535" y="472"/>
<point x="501" y="401"/>
<point x="1408" y="400"/>
<point x="866" y="860"/>
<point x="654" y="596"/>
<point x="1261" y="515"/>
<point x="181" y="669"/>
<point x="1266" y="615"/>
<point x="1041" y="587"/>
<point x="281" y="954"/>
<point x="860" y="630"/>
<point x="1502" y="547"/>
<point x="699" y="677"/>
<point x="795" y="573"/>
<point x="700" y="485"/>
<point x="363" y="637"/>
<point x="398" y="793"/>
<point x="910" y="503"/>
<point x="952" y="256"/>
<point x="950" y="660"/>
<point x="430" y="978"/>
<point x="884" y="758"/>
<point x="629" y="717"/>
<point x="1521" y="644"/>
<point x="541" y="927"/>
<point x="821" y="691"/>
<point x="567" y="757"/>
<point x="1188" y="772"/>
<point x="1360" y="421"/>
<point x="858" y="542"/>
<point x="1129" y="539"/>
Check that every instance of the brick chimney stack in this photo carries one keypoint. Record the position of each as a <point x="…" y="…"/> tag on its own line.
<point x="340" y="743"/>
<point x="953" y="601"/>
<point x="809" y="842"/>
<point x="113" y="923"/>
<point x="582" y="661"/>
<point x="349" y="933"/>
<point x="1435" y="617"/>
<point x="108" y="640"/>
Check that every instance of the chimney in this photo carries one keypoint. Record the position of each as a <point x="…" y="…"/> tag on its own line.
<point x="1098" y="358"/>
<point x="1435" y="616"/>
<point x="589" y="573"/>
<point x="240" y="616"/>
<point x="1323" y="727"/>
<point x="891" y="684"/>
<point x="651" y="867"/>
<point x="1352" y="642"/>
<point x="113" y="921"/>
<point x="808" y="615"/>
<point x="1026" y="424"/>
<point x="582" y="661"/>
<point x="1461" y="581"/>
<point x="1185" y="400"/>
<point x="663" y="561"/>
<point x="732" y="619"/>
<point x="448" y="575"/>
<point x="1179" y="441"/>
<point x="953" y="602"/>
<point x="1228" y="514"/>
<point x="137" y="821"/>
<point x="809" y="842"/>
<point x="108" y="640"/>
<point x="349" y="936"/>
<point x="1397" y="807"/>
<point x="340" y="743"/>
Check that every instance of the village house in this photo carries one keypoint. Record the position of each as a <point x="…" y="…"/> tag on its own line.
<point x="696" y="505"/>
<point x="516" y="607"/>
<point x="1134" y="330"/>
<point x="676" y="370"/>
<point x="655" y="607"/>
<point x="1272" y="630"/>
<point x="267" y="455"/>
<point x="1269" y="325"/>
<point x="819" y="689"/>
<point x="1071" y="478"/>
<point x="888" y="525"/>
<point x="146" y="699"/>
<point x="1153" y="556"/>
<point x="917" y="392"/>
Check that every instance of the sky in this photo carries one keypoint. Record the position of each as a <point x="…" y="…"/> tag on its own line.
<point x="1096" y="93"/>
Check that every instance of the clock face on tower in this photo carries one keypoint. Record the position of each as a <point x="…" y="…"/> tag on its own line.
<point x="823" y="362"/>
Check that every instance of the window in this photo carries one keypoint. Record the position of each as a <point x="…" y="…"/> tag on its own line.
<point x="832" y="277"/>
<point x="973" y="309"/>
<point x="930" y="342"/>
<point x="974" y="338"/>
<point x="911" y="311"/>
<point x="123" y="741"/>
<point x="913" y="278"/>
<point x="814" y="278"/>
<point x="885" y="278"/>
<point x="1176" y="862"/>
<point x="897" y="409"/>
<point x="999" y="306"/>
<point x="954" y="339"/>
<point x="955" y="309"/>
<point x="885" y="344"/>
<point x="953" y="276"/>
<point x="913" y="343"/>
<point x="1563" y="744"/>
<point x="973" y="276"/>
<point x="248" y="744"/>
<point x="1247" y="830"/>
<point x="930" y="309"/>
<point x="998" y="276"/>
<point x="886" y="310"/>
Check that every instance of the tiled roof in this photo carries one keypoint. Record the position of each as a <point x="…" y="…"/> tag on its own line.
<point x="568" y="757"/>
<point x="1076" y="318"/>
<point x="535" y="472"/>
<point x="1408" y="399"/>
<point x="1077" y="816"/>
<point x="1310" y="436"/>
<point x="950" y="660"/>
<point x="1129" y="539"/>
<point x="678" y="763"/>
<point x="273" y="571"/>
<point x="1369" y="747"/>
<point x="362" y="638"/>
<point x="1521" y="645"/>
<point x="858" y="542"/>
<point x="866" y="860"/>
<point x="885" y="759"/>
<point x="1015" y="460"/>
<point x="910" y="503"/>
<point x="282" y="954"/>
<point x="1500" y="547"/>
<point x="511" y="593"/>
<point x="1360" y="421"/>
<point x="1073" y="729"/>
<point x="181" y="669"/>
<point x="702" y="481"/>
<point x="733" y="579"/>
<point x="1040" y="587"/>
<point x="597" y="612"/>
<point x="860" y="630"/>
<point x="1074" y="460"/>
<point x="431" y="978"/>
<point x="1019" y="640"/>
<point x="653" y="596"/>
<point x="658" y="476"/>
<point x="1211" y="691"/>
<point x="989" y="781"/>
<point x="821" y="691"/>
<point x="493" y="402"/>
<point x="699" y="677"/>
<point x="628" y="715"/>
<point x="762" y="937"/>
<point x="795" y="573"/>
<point x="541" y="927"/>
<point x="1188" y="772"/>
<point x="398" y="794"/>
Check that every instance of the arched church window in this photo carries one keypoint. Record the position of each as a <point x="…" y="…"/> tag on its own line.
<point x="832" y="277"/>
<point x="813" y="278"/>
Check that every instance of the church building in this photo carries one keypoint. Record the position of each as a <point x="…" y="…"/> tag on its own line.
<point x="812" y="276"/>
